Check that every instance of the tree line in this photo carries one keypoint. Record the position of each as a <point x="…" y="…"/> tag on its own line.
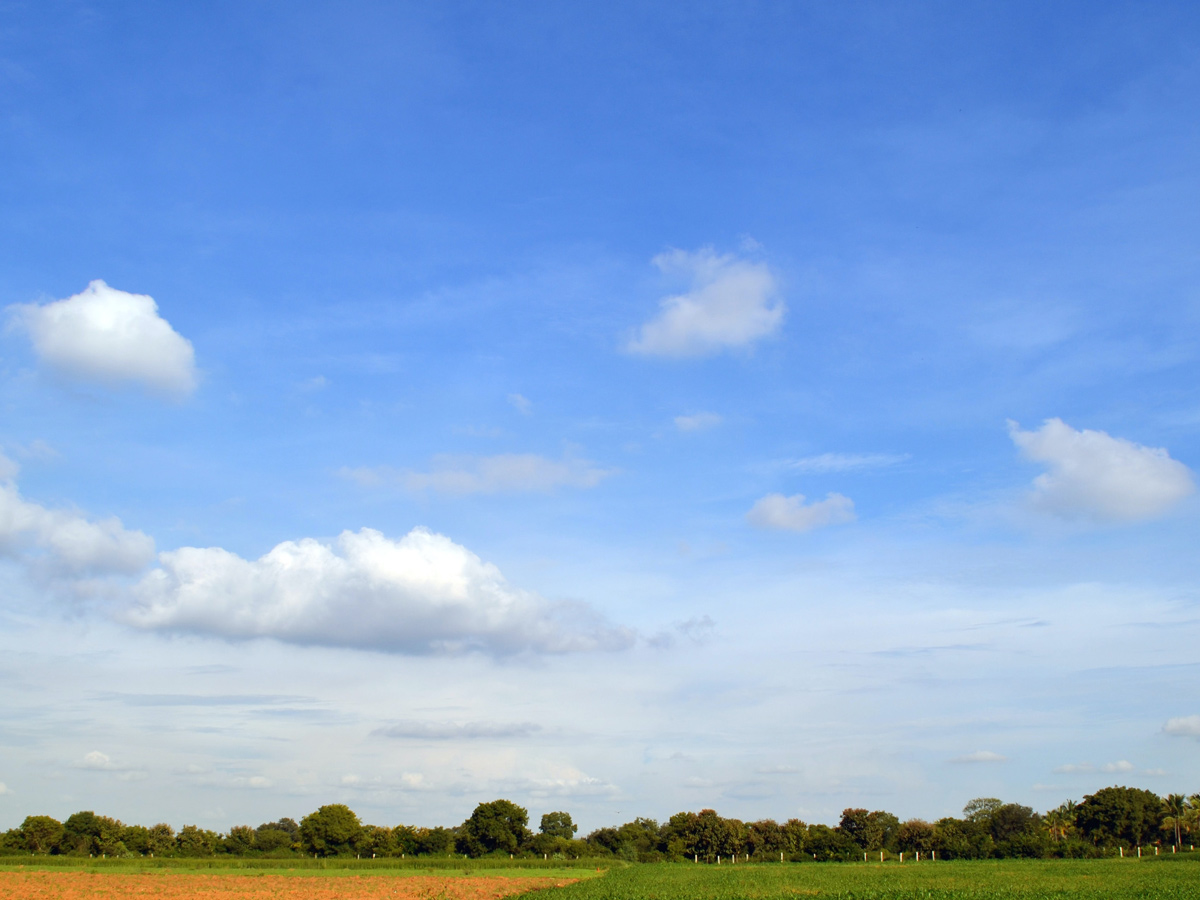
<point x="988" y="828"/>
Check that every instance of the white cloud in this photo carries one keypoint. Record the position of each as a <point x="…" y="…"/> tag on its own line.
<point x="731" y="303"/>
<point x="420" y="594"/>
<point x="66" y="540"/>
<point x="698" y="421"/>
<point x="980" y="756"/>
<point x="1071" y="768"/>
<point x="1095" y="476"/>
<point x="521" y="404"/>
<point x="843" y="462"/>
<point x="4" y="789"/>
<point x="109" y="335"/>
<point x="1123" y="765"/>
<point x="1183" y="726"/>
<point x="96" y="760"/>
<point x="447" y="731"/>
<point x="504" y="473"/>
<point x="793" y="514"/>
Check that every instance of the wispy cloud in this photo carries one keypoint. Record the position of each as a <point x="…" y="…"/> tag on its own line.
<point x="503" y="473"/>
<point x="698" y="421"/>
<point x="843" y="462"/>
<point x="449" y="731"/>
<point x="521" y="404"/>
<point x="980" y="756"/>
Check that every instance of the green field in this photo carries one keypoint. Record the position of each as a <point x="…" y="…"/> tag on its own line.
<point x="1167" y="879"/>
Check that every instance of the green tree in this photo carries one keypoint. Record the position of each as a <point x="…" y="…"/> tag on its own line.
<point x="136" y="838"/>
<point x="558" y="824"/>
<point x="875" y="830"/>
<point x="41" y="834"/>
<point x="377" y="841"/>
<point x="433" y="841"/>
<point x="916" y="835"/>
<point x="162" y="840"/>
<point x="194" y="841"/>
<point x="332" y="830"/>
<point x="240" y="840"/>
<point x="1125" y="815"/>
<point x="497" y="827"/>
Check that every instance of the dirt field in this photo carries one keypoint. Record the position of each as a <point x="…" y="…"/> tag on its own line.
<point x="81" y="885"/>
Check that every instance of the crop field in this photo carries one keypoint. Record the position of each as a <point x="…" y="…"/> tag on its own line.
<point x="1158" y="879"/>
<point x="982" y="880"/>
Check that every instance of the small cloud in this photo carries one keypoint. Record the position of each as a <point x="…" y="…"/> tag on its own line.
<point x="8" y="469"/>
<point x="793" y="514"/>
<point x="1072" y="768"/>
<point x="844" y="462"/>
<point x="1183" y="726"/>
<point x="457" y="731"/>
<point x="316" y="383"/>
<point x="4" y="789"/>
<point x="731" y="303"/>
<point x="521" y="404"/>
<point x="1092" y="475"/>
<point x="980" y="756"/>
<point x="504" y="473"/>
<point x="698" y="421"/>
<point x="414" y="781"/>
<point x="256" y="782"/>
<point x="97" y="761"/>
<point x="351" y="780"/>
<point x="1122" y="765"/>
<point x="1155" y="772"/>
<point x="111" y="336"/>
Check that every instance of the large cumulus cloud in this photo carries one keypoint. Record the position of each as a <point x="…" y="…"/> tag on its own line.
<point x="420" y="594"/>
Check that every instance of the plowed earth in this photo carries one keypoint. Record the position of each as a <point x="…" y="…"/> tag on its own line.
<point x="81" y="885"/>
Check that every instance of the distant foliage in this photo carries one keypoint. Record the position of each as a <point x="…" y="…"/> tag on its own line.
<point x="1103" y="822"/>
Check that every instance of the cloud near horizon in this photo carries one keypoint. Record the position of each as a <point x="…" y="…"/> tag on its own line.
<point x="421" y="594"/>
<point x="731" y="303"/>
<point x="793" y="514"/>
<point x="504" y="473"/>
<point x="1092" y="475"/>
<point x="107" y="335"/>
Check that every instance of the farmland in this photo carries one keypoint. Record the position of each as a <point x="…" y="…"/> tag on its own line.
<point x="1112" y="879"/>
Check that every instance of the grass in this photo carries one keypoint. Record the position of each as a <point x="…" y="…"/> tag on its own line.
<point x="1158" y="879"/>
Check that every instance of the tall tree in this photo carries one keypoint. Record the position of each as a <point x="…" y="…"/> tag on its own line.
<point x="497" y="827"/>
<point x="332" y="830"/>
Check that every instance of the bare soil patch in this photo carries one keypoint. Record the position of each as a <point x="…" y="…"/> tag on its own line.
<point x="170" y="886"/>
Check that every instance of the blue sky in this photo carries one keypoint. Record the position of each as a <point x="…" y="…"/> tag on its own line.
<point x="767" y="407"/>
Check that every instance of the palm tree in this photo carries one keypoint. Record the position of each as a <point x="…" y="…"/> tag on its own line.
<point x="1176" y="806"/>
